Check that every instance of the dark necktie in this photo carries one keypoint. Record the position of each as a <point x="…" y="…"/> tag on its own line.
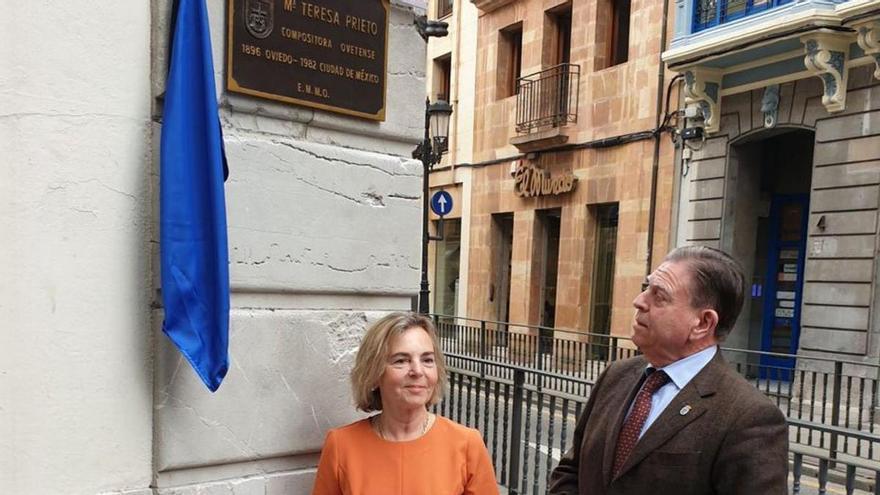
<point x="629" y="434"/>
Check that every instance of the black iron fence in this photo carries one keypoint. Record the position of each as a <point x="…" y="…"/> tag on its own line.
<point x="524" y="386"/>
<point x="547" y="98"/>
<point x="525" y="427"/>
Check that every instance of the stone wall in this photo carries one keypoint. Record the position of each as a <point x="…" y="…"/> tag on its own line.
<point x="460" y="44"/>
<point x="612" y="101"/>
<point x="841" y="273"/>
<point x="841" y="267"/>
<point x="614" y="175"/>
<point x="323" y="213"/>
<point x="75" y="360"/>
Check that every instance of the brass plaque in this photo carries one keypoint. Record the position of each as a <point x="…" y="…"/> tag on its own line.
<point x="326" y="54"/>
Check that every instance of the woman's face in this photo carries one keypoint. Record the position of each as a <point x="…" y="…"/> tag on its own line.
<point x="410" y="371"/>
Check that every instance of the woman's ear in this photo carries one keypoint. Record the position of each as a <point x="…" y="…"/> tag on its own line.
<point x="708" y="320"/>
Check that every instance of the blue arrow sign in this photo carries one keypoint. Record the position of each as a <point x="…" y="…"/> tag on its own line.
<point x="441" y="203"/>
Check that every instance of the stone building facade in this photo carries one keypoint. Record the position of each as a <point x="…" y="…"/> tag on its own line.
<point x="451" y="72"/>
<point x="322" y="211"/>
<point x="787" y="174"/>
<point x="571" y="254"/>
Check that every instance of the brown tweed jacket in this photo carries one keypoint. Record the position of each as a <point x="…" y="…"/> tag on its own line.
<point x="732" y="439"/>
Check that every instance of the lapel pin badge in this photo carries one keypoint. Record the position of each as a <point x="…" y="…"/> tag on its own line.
<point x="684" y="410"/>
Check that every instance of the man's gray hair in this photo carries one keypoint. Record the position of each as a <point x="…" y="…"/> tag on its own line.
<point x="717" y="283"/>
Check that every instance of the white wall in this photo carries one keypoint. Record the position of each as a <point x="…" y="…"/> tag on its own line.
<point x="75" y="381"/>
<point x="324" y="222"/>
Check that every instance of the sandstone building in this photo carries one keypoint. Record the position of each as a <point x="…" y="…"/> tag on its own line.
<point x="566" y="191"/>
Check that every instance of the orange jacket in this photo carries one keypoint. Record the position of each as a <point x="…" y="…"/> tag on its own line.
<point x="449" y="459"/>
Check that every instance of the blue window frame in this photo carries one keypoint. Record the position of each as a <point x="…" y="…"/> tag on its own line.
<point x="711" y="13"/>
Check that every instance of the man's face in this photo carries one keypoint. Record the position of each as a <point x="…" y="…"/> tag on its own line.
<point x="664" y="319"/>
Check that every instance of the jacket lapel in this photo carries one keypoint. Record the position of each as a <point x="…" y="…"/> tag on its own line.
<point x="671" y="421"/>
<point x="634" y="382"/>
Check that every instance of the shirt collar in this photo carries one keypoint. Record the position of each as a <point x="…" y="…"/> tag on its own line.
<point x="684" y="370"/>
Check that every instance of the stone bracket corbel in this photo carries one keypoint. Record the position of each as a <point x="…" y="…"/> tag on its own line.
<point x="702" y="88"/>
<point x="770" y="105"/>
<point x="827" y="55"/>
<point x="869" y="41"/>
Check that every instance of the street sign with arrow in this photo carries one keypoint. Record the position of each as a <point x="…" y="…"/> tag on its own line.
<point x="441" y="203"/>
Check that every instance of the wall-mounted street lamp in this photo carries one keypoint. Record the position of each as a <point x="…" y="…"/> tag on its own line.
<point x="430" y="150"/>
<point x="439" y="113"/>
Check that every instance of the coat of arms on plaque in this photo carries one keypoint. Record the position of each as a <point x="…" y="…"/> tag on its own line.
<point x="258" y="17"/>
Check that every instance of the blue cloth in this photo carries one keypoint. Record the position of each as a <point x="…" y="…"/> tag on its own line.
<point x="194" y="253"/>
<point x="680" y="374"/>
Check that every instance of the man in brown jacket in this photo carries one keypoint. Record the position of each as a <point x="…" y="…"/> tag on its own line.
<point x="678" y="420"/>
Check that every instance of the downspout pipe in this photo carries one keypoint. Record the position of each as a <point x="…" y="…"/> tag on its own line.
<point x="658" y="134"/>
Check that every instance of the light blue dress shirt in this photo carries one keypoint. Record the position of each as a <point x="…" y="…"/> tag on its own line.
<point x="680" y="374"/>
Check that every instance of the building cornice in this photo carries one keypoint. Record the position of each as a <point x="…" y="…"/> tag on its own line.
<point x="490" y="5"/>
<point x="716" y="42"/>
<point x="857" y="10"/>
<point x="773" y="47"/>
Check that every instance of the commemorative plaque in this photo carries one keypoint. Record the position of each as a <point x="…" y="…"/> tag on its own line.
<point x="326" y="54"/>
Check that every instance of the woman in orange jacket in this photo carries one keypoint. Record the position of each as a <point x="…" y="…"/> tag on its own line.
<point x="404" y="450"/>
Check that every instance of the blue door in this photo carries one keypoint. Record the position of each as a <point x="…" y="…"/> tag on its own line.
<point x="784" y="284"/>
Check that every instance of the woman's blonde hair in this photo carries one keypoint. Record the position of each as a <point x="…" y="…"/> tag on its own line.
<point x="369" y="364"/>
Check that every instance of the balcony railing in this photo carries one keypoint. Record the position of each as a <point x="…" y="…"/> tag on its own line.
<point x="711" y="13"/>
<point x="548" y="98"/>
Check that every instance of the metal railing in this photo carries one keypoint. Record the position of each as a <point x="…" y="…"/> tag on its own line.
<point x="527" y="428"/>
<point x="711" y="13"/>
<point x="548" y="98"/>
<point x="851" y="470"/>
<point x="829" y="396"/>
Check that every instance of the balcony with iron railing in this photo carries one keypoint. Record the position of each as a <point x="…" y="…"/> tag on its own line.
<point x="546" y="101"/>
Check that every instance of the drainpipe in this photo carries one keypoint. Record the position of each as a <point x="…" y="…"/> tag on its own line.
<point x="661" y="74"/>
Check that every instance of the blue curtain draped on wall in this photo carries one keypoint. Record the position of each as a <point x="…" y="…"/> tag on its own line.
<point x="194" y="253"/>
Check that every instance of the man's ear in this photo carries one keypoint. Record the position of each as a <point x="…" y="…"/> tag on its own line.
<point x="705" y="325"/>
